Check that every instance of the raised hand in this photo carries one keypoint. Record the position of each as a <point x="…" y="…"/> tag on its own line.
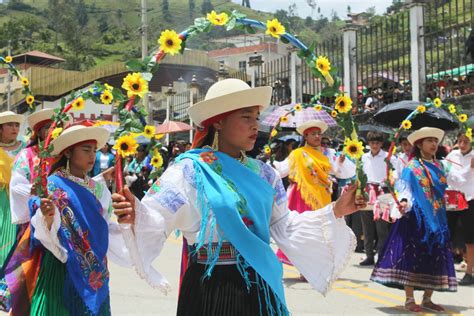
<point x="349" y="202"/>
<point x="124" y="206"/>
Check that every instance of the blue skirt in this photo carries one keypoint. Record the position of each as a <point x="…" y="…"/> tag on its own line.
<point x="407" y="261"/>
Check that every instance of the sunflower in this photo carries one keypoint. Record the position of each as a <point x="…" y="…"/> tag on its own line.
<point x="78" y="104"/>
<point x="274" y="133"/>
<point x="343" y="104"/>
<point x="157" y="160"/>
<point x="217" y="19"/>
<point x="421" y="108"/>
<point x="437" y="102"/>
<point x="406" y="124"/>
<point x="149" y="131"/>
<point x="29" y="99"/>
<point x="170" y="43"/>
<point x="106" y="97"/>
<point x="318" y="107"/>
<point x="135" y="85"/>
<point x="462" y="118"/>
<point x="267" y="150"/>
<point x="354" y="148"/>
<point x="126" y="146"/>
<point x="298" y="107"/>
<point x="469" y="133"/>
<point x="284" y="119"/>
<point x="452" y="109"/>
<point x="108" y="87"/>
<point x="334" y="113"/>
<point x="8" y="59"/>
<point x="323" y="65"/>
<point x="56" y="132"/>
<point x="24" y="81"/>
<point x="274" y="28"/>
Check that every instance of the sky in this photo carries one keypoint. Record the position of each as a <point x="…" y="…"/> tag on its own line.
<point x="340" y="6"/>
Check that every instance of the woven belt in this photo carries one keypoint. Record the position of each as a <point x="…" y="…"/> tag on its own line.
<point x="227" y="254"/>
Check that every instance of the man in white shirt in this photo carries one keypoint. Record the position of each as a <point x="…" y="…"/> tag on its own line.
<point x="402" y="157"/>
<point x="461" y="178"/>
<point x="374" y="229"/>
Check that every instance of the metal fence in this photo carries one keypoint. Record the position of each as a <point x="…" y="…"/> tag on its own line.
<point x="276" y="73"/>
<point x="449" y="68"/>
<point x="179" y="105"/>
<point x="383" y="61"/>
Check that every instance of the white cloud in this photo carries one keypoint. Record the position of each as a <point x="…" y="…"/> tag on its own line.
<point x="339" y="6"/>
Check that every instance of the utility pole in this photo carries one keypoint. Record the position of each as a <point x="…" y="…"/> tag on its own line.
<point x="9" y="80"/>
<point x="144" y="32"/>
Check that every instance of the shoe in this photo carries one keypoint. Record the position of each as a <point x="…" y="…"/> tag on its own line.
<point x="430" y="306"/>
<point x="468" y="279"/>
<point x="359" y="249"/>
<point x="411" y="306"/>
<point x="367" y="262"/>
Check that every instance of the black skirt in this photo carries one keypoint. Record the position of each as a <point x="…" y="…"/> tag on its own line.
<point x="224" y="293"/>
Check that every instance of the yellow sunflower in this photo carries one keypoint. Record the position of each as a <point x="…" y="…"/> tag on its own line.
<point x="323" y="65"/>
<point x="421" y="108"/>
<point x="284" y="119"/>
<point x="135" y="85"/>
<point x="274" y="28"/>
<point x="318" y="107"/>
<point x="108" y="87"/>
<point x="452" y="109"/>
<point x="267" y="150"/>
<point x="24" y="81"/>
<point x="56" y="132"/>
<point x="437" y="102"/>
<point x="462" y="118"/>
<point x="354" y="148"/>
<point x="217" y="19"/>
<point x="334" y="113"/>
<point x="169" y="41"/>
<point x="29" y="99"/>
<point x="406" y="124"/>
<point x="149" y="131"/>
<point x="106" y="97"/>
<point x="8" y="59"/>
<point x="298" y="107"/>
<point x="78" y="104"/>
<point x="469" y="133"/>
<point x="157" y="160"/>
<point x="274" y="133"/>
<point x="126" y="146"/>
<point x="343" y="104"/>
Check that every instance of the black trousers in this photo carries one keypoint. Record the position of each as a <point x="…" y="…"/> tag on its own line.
<point x="375" y="233"/>
<point x="355" y="223"/>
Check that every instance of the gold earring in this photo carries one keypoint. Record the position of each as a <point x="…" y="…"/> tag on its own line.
<point x="67" y="164"/>
<point x="215" y="141"/>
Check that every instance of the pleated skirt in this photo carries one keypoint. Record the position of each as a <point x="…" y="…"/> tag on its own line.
<point x="7" y="229"/>
<point x="48" y="298"/>
<point x="223" y="294"/>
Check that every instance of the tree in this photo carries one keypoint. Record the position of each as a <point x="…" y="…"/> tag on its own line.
<point x="349" y="10"/>
<point x="192" y="6"/>
<point x="166" y="9"/>
<point x="312" y="4"/>
<point x="206" y="6"/>
<point x="81" y="13"/>
<point x="246" y="3"/>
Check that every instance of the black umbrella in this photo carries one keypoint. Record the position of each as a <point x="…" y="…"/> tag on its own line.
<point x="393" y="114"/>
<point x="365" y="128"/>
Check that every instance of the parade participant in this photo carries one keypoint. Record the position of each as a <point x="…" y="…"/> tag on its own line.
<point x="70" y="233"/>
<point x="374" y="226"/>
<point x="228" y="205"/>
<point x="9" y="147"/>
<point x="104" y="160"/>
<point x="417" y="255"/>
<point x="309" y="170"/>
<point x="461" y="178"/>
<point x="402" y="157"/>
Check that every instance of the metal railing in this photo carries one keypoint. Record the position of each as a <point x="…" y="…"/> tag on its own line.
<point x="276" y="73"/>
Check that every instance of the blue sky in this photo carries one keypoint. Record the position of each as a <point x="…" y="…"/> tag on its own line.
<point x="340" y="6"/>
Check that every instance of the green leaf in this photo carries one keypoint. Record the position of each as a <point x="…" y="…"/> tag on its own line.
<point x="284" y="40"/>
<point x="230" y="24"/>
<point x="328" y="92"/>
<point x="135" y="65"/>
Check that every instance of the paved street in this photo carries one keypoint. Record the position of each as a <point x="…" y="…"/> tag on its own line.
<point x="352" y="294"/>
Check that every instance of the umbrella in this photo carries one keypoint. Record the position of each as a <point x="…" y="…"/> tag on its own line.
<point x="173" y="127"/>
<point x="393" y="114"/>
<point x="365" y="128"/>
<point x="297" y="138"/>
<point x="300" y="117"/>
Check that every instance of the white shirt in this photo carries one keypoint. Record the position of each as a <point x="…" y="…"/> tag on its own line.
<point x="375" y="166"/>
<point x="460" y="174"/>
<point x="104" y="161"/>
<point x="401" y="163"/>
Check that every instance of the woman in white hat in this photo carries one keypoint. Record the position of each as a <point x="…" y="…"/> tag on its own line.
<point x="310" y="168"/>
<point x="227" y="205"/>
<point x="416" y="255"/>
<point x="71" y="234"/>
<point x="9" y="147"/>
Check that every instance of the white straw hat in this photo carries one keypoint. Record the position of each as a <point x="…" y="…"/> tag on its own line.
<point x="42" y="115"/>
<point x="229" y="95"/>
<point x="426" y="132"/>
<point x="11" y="117"/>
<point x="313" y="123"/>
<point x="78" y="134"/>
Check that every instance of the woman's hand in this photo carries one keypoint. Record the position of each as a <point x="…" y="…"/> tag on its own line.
<point x="48" y="210"/>
<point x="349" y="203"/>
<point x="109" y="174"/>
<point x="124" y="206"/>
